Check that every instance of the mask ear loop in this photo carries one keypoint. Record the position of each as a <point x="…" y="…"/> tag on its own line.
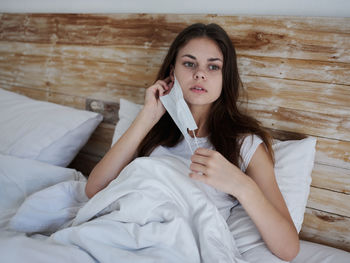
<point x="196" y="142"/>
<point x="195" y="139"/>
<point x="189" y="145"/>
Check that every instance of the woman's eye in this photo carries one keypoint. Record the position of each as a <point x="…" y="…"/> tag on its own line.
<point x="189" y="64"/>
<point x="214" y="67"/>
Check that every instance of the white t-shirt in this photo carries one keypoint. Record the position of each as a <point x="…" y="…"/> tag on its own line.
<point x="223" y="201"/>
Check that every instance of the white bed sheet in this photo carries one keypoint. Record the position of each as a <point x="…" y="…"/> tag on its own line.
<point x="20" y="178"/>
<point x="316" y="253"/>
<point x="152" y="212"/>
<point x="309" y="253"/>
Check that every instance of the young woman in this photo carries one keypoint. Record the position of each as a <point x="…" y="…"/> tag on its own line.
<point x="235" y="158"/>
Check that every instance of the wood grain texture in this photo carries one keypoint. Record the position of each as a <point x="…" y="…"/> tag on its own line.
<point x="331" y="178"/>
<point x="326" y="228"/>
<point x="314" y="71"/>
<point x="294" y="72"/>
<point x="283" y="68"/>
<point x="273" y="36"/>
<point x="330" y="201"/>
<point x="334" y="126"/>
<point x="298" y="95"/>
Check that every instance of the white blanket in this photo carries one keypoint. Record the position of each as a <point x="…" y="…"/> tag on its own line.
<point x="153" y="212"/>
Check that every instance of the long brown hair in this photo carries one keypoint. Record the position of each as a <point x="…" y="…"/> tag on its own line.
<point x="227" y="124"/>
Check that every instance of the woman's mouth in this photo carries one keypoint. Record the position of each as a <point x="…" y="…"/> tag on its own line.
<point x="198" y="89"/>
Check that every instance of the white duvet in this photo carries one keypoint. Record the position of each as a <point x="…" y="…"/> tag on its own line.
<point x="153" y="212"/>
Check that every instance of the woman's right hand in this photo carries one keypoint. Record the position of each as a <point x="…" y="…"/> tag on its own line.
<point x="153" y="107"/>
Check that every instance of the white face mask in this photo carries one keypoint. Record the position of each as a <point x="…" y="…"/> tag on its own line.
<point x="178" y="109"/>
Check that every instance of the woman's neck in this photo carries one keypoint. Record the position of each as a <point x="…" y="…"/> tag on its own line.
<point x="200" y="115"/>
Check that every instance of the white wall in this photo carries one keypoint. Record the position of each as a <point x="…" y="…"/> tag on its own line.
<point x="340" y="8"/>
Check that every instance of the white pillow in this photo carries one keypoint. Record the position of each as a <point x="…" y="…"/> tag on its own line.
<point x="127" y="113"/>
<point x="41" y="130"/>
<point x="293" y="166"/>
<point x="294" y="161"/>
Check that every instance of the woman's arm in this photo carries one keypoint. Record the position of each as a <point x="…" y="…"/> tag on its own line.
<point x="124" y="150"/>
<point x="264" y="203"/>
<point x="258" y="193"/>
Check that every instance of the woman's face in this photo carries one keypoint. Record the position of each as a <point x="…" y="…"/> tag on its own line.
<point x="198" y="68"/>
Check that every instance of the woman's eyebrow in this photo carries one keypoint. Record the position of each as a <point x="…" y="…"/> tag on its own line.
<point x="209" y="59"/>
<point x="190" y="56"/>
<point x="214" y="59"/>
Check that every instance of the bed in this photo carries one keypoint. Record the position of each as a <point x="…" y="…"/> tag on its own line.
<point x="95" y="69"/>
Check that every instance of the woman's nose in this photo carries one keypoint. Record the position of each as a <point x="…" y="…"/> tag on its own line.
<point x="199" y="74"/>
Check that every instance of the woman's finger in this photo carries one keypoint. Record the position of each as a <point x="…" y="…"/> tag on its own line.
<point x="198" y="168"/>
<point x="158" y="89"/>
<point x="204" y="151"/>
<point x="161" y="87"/>
<point x="200" y="159"/>
<point x="167" y="83"/>
<point x="163" y="84"/>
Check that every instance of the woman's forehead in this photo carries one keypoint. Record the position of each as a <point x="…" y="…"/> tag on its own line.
<point x="201" y="47"/>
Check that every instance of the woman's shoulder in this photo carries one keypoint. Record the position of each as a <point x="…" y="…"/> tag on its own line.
<point x="249" y="139"/>
<point x="249" y="143"/>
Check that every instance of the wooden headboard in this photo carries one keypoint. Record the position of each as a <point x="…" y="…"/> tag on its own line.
<point x="295" y="71"/>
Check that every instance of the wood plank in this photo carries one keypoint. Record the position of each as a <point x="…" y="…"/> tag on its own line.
<point x="326" y="228"/>
<point x="329" y="201"/>
<point x="320" y="24"/>
<point x="290" y="37"/>
<point x="16" y="69"/>
<point x="298" y="95"/>
<point x="77" y="29"/>
<point x="294" y="69"/>
<point x="134" y="55"/>
<point x="76" y="76"/>
<point x="332" y="178"/>
<point x="95" y="79"/>
<point x="311" y="123"/>
<point x="316" y="71"/>
<point x="333" y="152"/>
<point x="50" y="66"/>
<point x="298" y="69"/>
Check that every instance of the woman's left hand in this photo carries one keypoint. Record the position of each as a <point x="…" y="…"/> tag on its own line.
<point x="210" y="167"/>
